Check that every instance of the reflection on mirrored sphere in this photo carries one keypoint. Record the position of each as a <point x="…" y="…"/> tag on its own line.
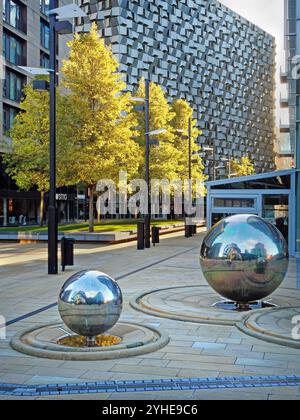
<point x="244" y="258"/>
<point x="90" y="303"/>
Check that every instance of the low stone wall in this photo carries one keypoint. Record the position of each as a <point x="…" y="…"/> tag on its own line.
<point x="105" y="237"/>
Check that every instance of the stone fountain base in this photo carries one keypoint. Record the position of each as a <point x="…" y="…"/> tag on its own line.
<point x="134" y="340"/>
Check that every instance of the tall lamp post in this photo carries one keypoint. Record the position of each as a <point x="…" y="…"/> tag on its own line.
<point x="228" y="161"/>
<point x="148" y="135"/>
<point x="188" y="134"/>
<point x="147" y="162"/>
<point x="56" y="26"/>
<point x="52" y="208"/>
<point x="213" y="150"/>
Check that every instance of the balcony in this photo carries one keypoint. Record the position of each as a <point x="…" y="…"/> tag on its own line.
<point x="285" y="154"/>
<point x="283" y="76"/>
<point x="284" y="128"/>
<point x="284" y="102"/>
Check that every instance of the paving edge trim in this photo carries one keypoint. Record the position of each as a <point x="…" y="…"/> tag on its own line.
<point x="249" y="327"/>
<point x="137" y="349"/>
<point x="156" y="385"/>
<point x="139" y="306"/>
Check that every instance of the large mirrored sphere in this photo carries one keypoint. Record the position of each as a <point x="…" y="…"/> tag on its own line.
<point x="244" y="258"/>
<point x="90" y="303"/>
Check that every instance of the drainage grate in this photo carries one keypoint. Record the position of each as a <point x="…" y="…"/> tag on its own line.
<point x="150" y="385"/>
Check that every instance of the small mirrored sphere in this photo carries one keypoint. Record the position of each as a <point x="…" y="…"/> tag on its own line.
<point x="90" y="303"/>
<point x="244" y="258"/>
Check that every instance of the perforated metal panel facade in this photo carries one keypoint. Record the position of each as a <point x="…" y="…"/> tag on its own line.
<point x="206" y="53"/>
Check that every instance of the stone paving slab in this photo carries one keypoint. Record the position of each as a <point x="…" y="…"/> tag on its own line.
<point x="25" y="287"/>
<point x="275" y="325"/>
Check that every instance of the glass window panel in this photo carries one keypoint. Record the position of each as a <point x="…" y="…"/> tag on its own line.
<point x="234" y="202"/>
<point x="278" y="182"/>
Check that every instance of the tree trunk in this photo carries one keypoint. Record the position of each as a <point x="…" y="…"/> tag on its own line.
<point x="91" y="209"/>
<point x="98" y="213"/>
<point x="42" y="207"/>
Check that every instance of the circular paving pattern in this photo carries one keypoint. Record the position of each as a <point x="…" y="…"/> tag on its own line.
<point x="195" y="304"/>
<point x="136" y="339"/>
<point x="276" y="325"/>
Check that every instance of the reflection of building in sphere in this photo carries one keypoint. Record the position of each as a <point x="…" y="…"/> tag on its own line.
<point x="90" y="303"/>
<point x="214" y="251"/>
<point x="232" y="252"/>
<point x="259" y="250"/>
<point x="244" y="258"/>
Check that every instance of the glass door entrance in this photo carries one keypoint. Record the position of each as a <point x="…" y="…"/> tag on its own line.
<point x="275" y="209"/>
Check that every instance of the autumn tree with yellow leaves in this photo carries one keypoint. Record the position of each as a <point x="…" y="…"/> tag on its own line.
<point x="27" y="159"/>
<point x="183" y="113"/>
<point x="97" y="133"/>
<point x="102" y="118"/>
<point x="164" y="157"/>
<point x="243" y="167"/>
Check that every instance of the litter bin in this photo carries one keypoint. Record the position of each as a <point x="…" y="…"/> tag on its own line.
<point x="141" y="236"/>
<point x="188" y="230"/>
<point x="155" y="235"/>
<point x="67" y="252"/>
<point x="194" y="229"/>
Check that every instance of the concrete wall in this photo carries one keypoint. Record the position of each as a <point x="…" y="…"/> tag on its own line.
<point x="33" y="45"/>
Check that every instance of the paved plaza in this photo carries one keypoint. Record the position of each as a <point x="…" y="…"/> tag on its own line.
<point x="201" y="345"/>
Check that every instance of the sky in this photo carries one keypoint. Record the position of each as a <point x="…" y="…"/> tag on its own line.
<point x="268" y="15"/>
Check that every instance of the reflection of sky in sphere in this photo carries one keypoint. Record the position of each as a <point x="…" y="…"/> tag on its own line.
<point x="247" y="235"/>
<point x="91" y="290"/>
<point x="248" y="239"/>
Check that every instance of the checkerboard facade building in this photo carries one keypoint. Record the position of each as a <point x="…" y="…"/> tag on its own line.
<point x="204" y="52"/>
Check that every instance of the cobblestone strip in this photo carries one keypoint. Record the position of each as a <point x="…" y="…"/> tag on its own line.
<point x="151" y="385"/>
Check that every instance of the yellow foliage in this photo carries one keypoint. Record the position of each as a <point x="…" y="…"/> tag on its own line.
<point x="165" y="157"/>
<point x="242" y="168"/>
<point x="183" y="112"/>
<point x="102" y="118"/>
<point x="28" y="160"/>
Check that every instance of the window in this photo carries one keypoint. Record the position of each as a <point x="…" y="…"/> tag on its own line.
<point x="44" y="60"/>
<point x="44" y="6"/>
<point x="9" y="114"/>
<point x="234" y="202"/>
<point x="45" y="32"/>
<point x="14" y="49"/>
<point x="13" y="86"/>
<point x="14" y="14"/>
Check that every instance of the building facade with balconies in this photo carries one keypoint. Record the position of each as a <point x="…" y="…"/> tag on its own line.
<point x="24" y="37"/>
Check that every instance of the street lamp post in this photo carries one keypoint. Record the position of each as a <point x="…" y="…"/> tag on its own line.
<point x="52" y="208"/>
<point x="188" y="132"/>
<point x="148" y="135"/>
<point x="56" y="26"/>
<point x="190" y="148"/>
<point x="228" y="160"/>
<point x="147" y="166"/>
<point x="213" y="150"/>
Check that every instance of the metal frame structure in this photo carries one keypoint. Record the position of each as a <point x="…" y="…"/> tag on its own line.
<point x="255" y="194"/>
